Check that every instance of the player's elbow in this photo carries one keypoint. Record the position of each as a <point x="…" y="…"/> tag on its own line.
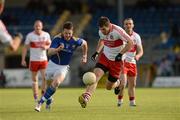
<point x="15" y="43"/>
<point x="141" y="52"/>
<point x="13" y="47"/>
<point x="84" y="43"/>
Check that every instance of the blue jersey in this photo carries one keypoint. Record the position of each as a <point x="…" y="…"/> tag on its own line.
<point x="63" y="57"/>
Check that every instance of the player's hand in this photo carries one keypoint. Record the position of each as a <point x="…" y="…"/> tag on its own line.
<point x="43" y="46"/>
<point x="84" y="59"/>
<point x="23" y="63"/>
<point x="60" y="47"/>
<point x="19" y="35"/>
<point x="137" y="57"/>
<point x="94" y="56"/>
<point x="118" y="57"/>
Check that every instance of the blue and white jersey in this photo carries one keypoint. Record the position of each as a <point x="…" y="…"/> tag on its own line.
<point x="63" y="57"/>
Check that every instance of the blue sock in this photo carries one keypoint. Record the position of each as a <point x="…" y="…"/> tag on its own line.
<point x="49" y="101"/>
<point x="49" y="92"/>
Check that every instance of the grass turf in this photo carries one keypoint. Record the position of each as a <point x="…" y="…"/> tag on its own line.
<point x="152" y="104"/>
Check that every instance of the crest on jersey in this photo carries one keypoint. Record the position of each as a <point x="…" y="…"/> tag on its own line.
<point x="111" y="37"/>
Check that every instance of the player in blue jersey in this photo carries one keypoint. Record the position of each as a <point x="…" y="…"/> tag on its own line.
<point x="60" y="52"/>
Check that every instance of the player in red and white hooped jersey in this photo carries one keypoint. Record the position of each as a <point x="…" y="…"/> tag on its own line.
<point x="38" y="41"/>
<point x="129" y="72"/>
<point x="113" y="43"/>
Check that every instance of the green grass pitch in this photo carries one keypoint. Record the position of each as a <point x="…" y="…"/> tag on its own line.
<point x="152" y="104"/>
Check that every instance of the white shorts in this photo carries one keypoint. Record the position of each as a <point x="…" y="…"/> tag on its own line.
<point x="54" y="69"/>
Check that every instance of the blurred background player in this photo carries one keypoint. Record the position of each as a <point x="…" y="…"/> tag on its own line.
<point x="112" y="41"/>
<point x="5" y="37"/>
<point x="61" y="51"/>
<point x="129" y="72"/>
<point x="38" y="41"/>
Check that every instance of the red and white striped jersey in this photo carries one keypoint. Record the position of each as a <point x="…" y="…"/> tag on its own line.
<point x="5" y="37"/>
<point x="35" y="42"/>
<point x="130" y="55"/>
<point x="114" y="42"/>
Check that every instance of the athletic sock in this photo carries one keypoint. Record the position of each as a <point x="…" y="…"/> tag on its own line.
<point x="49" y="101"/>
<point x="131" y="98"/>
<point x="87" y="96"/>
<point x="35" y="97"/>
<point x="49" y="92"/>
<point x="120" y="98"/>
<point x="117" y="83"/>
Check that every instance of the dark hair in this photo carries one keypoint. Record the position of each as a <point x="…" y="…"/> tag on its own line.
<point x="68" y="25"/>
<point x="103" y="21"/>
<point x="128" y="19"/>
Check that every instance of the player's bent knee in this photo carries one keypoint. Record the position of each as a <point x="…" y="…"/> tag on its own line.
<point x="132" y="84"/>
<point x="122" y="86"/>
<point x="98" y="73"/>
<point x="55" y="83"/>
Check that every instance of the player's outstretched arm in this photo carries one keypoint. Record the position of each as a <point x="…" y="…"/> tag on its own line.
<point x="84" y="50"/>
<point x="12" y="42"/>
<point x="100" y="46"/>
